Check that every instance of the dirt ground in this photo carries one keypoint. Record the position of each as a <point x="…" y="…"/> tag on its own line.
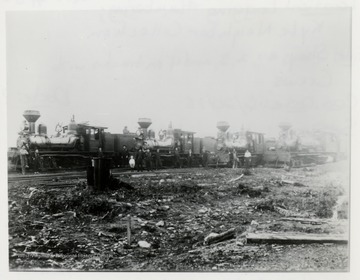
<point x="72" y="227"/>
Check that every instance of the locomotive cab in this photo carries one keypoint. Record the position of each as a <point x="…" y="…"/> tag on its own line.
<point x="91" y="138"/>
<point x="184" y="140"/>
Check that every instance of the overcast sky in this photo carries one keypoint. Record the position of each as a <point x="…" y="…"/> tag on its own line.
<point x="251" y="67"/>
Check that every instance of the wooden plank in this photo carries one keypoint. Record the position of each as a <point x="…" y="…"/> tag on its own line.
<point x="296" y="184"/>
<point x="206" y="184"/>
<point x="144" y="175"/>
<point x="289" y="213"/>
<point x="295" y="238"/>
<point x="231" y="233"/>
<point x="235" y="179"/>
<point x="305" y="221"/>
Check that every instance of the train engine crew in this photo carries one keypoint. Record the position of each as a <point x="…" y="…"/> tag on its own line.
<point x="158" y="163"/>
<point x="205" y="158"/>
<point x="189" y="160"/>
<point x="23" y="148"/>
<point x="177" y="158"/>
<point x="132" y="162"/>
<point x="148" y="160"/>
<point x="139" y="158"/>
<point x="247" y="157"/>
<point x="125" y="156"/>
<point x="38" y="161"/>
<point x="235" y="159"/>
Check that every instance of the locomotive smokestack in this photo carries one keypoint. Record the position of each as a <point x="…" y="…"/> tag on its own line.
<point x="285" y="126"/>
<point x="144" y="124"/>
<point x="223" y="126"/>
<point x="31" y="116"/>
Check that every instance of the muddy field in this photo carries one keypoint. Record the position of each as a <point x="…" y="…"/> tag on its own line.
<point x="65" y="225"/>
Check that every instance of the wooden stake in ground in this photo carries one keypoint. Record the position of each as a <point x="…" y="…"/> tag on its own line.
<point x="129" y="229"/>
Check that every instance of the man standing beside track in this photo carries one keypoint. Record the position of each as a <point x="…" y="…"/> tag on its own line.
<point x="177" y="158"/>
<point x="247" y="157"/>
<point x="205" y="158"/>
<point x="37" y="161"/>
<point x="139" y="160"/>
<point x="190" y="158"/>
<point x="235" y="159"/>
<point x="148" y="160"/>
<point x="23" y="151"/>
<point x="125" y="156"/>
<point x="158" y="164"/>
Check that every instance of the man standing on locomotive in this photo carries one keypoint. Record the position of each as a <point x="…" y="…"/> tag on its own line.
<point x="125" y="130"/>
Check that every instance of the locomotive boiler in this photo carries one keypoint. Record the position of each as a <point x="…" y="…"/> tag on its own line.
<point x="72" y="146"/>
<point x="67" y="138"/>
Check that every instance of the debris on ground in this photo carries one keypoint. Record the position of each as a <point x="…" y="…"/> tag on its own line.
<point x="144" y="244"/>
<point x="190" y="221"/>
<point x="252" y="191"/>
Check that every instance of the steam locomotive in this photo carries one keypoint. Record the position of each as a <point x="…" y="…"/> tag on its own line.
<point x="76" y="144"/>
<point x="301" y="148"/>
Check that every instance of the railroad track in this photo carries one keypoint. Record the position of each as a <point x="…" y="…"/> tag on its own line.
<point x="12" y="178"/>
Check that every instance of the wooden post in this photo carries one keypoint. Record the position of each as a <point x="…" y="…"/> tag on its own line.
<point x="129" y="229"/>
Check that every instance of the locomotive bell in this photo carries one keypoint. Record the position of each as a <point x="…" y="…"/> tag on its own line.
<point x="31" y="116"/>
<point x="223" y="126"/>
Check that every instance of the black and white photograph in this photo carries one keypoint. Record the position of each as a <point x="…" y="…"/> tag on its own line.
<point x="179" y="140"/>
